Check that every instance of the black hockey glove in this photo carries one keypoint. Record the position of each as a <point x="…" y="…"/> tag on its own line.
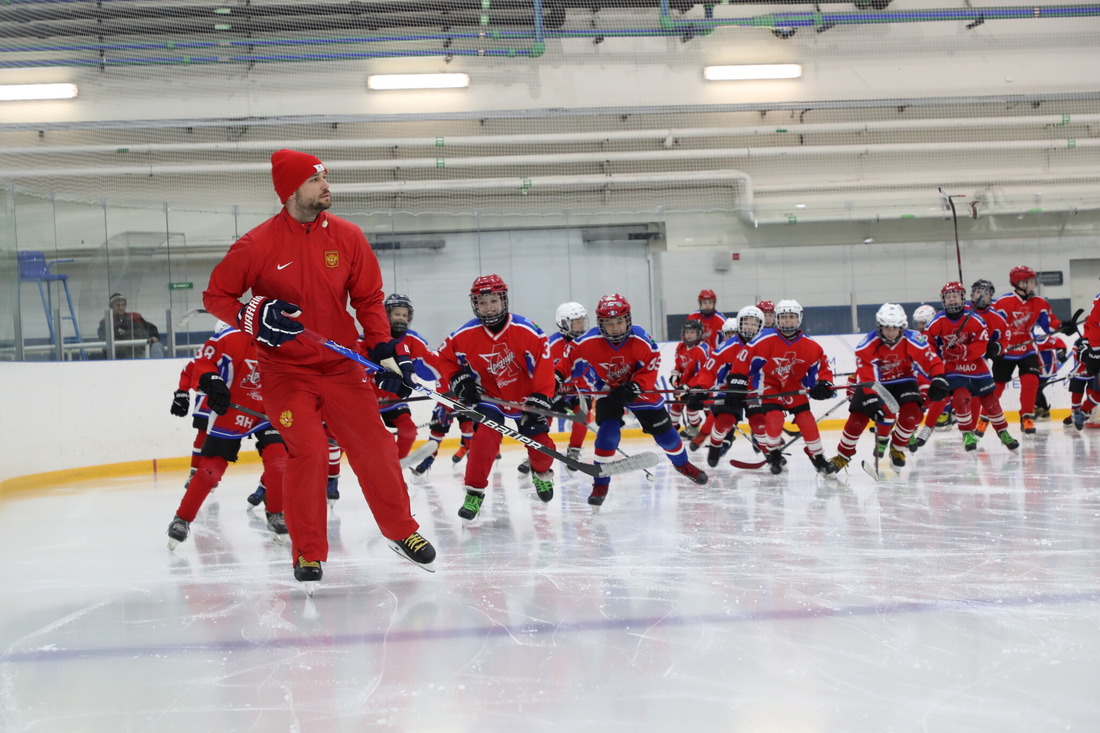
<point x="870" y="404"/>
<point x="625" y="393"/>
<point x="938" y="389"/>
<point x="181" y="403"/>
<point x="823" y="390"/>
<point x="1069" y="326"/>
<point x="693" y="400"/>
<point x="993" y="350"/>
<point x="465" y="388"/>
<point x="217" y="394"/>
<point x="740" y="384"/>
<point x="1092" y="361"/>
<point x="398" y="384"/>
<point x="270" y="321"/>
<point x="530" y="420"/>
<point x="674" y="379"/>
<point x="1061" y="354"/>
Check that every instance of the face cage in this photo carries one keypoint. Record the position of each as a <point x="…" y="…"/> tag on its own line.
<point x="490" y="320"/>
<point x="698" y="336"/>
<point x="617" y="338"/>
<point x="981" y="297"/>
<point x="788" y="330"/>
<point x="567" y="329"/>
<point x="752" y="335"/>
<point x="954" y="309"/>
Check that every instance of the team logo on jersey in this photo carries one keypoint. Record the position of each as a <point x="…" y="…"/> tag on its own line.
<point x="501" y="363"/>
<point x="617" y="370"/>
<point x="251" y="380"/>
<point x="785" y="364"/>
<point x="332" y="258"/>
<point x="286" y="418"/>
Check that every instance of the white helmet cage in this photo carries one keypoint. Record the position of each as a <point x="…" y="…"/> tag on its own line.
<point x="566" y="314"/>
<point x="749" y="311"/>
<point x="788" y="306"/>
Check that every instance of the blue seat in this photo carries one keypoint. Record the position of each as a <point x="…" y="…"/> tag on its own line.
<point x="34" y="267"/>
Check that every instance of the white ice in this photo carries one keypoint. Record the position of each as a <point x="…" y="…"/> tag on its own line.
<point x="961" y="596"/>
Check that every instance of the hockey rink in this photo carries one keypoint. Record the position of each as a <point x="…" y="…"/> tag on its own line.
<point x="962" y="595"/>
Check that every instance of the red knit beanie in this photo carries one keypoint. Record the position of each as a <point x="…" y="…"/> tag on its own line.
<point x="290" y="169"/>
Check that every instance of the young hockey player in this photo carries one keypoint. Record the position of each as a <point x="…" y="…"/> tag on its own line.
<point x="507" y="357"/>
<point x="783" y="360"/>
<point x="1024" y="311"/>
<point x="395" y="412"/>
<point x="226" y="371"/>
<point x="304" y="267"/>
<point x="728" y="410"/>
<point x="893" y="356"/>
<point x="767" y="307"/>
<point x="691" y="354"/>
<point x="961" y="340"/>
<point x="982" y="293"/>
<point x="572" y="322"/>
<point x="624" y="360"/>
<point x="711" y="319"/>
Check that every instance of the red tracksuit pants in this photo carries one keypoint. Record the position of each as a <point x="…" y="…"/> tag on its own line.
<point x="297" y="402"/>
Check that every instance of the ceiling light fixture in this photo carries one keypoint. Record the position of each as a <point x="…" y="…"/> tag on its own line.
<point x="21" y="92"/>
<point x="750" y="72"/>
<point x="380" y="82"/>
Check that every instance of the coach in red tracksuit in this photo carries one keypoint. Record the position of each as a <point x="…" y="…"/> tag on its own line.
<point x="303" y="267"/>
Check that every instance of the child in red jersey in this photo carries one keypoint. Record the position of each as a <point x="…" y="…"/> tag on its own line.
<point x="226" y="370"/>
<point x="960" y="338"/>
<point x="507" y="357"/>
<point x="783" y="360"/>
<point x="710" y="318"/>
<point x="623" y="359"/>
<point x="691" y="354"/>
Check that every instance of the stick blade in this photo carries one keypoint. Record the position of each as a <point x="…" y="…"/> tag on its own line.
<point x="638" y="462"/>
<point x="888" y="399"/>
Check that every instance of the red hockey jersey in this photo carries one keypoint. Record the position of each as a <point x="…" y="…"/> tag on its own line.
<point x="1022" y="316"/>
<point x="232" y="354"/>
<point x="637" y="359"/>
<point x="962" y="351"/>
<point x="688" y="362"/>
<point x="775" y="363"/>
<point x="908" y="358"/>
<point x="509" y="365"/>
<point x="712" y="327"/>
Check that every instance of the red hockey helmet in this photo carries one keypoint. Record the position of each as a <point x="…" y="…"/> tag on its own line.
<point x="766" y="306"/>
<point x="1020" y="273"/>
<point x="609" y="307"/>
<point x="707" y="295"/>
<point x="953" y="287"/>
<point x="489" y="285"/>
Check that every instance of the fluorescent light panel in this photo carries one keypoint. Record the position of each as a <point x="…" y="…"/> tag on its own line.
<point x="418" y="81"/>
<point x="19" y="92"/>
<point x="749" y="72"/>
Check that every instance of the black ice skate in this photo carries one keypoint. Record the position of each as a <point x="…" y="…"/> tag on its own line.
<point x="178" y="531"/>
<point x="415" y="548"/>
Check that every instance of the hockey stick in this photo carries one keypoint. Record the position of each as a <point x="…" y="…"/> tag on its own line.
<point x="189" y="315"/>
<point x="747" y="464"/>
<point x="534" y="410"/>
<point x="955" y="221"/>
<point x="640" y="461"/>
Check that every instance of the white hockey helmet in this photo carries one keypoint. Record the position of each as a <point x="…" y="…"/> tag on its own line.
<point x="566" y="314"/>
<point x="221" y="327"/>
<point x="923" y="314"/>
<point x="747" y="328"/>
<point x="730" y="326"/>
<point x="788" y="306"/>
<point x="891" y="315"/>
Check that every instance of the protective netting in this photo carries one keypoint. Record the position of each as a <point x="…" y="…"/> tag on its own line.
<point x="161" y="84"/>
<point x="578" y="115"/>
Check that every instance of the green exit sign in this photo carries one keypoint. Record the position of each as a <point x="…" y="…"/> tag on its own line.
<point x="181" y="286"/>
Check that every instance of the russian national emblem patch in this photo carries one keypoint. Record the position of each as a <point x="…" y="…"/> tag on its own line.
<point x="332" y="258"/>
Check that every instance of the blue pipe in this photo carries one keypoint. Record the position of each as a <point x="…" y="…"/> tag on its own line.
<point x="668" y="26"/>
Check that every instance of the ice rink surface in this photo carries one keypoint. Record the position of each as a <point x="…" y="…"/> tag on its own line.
<point x="962" y="595"/>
